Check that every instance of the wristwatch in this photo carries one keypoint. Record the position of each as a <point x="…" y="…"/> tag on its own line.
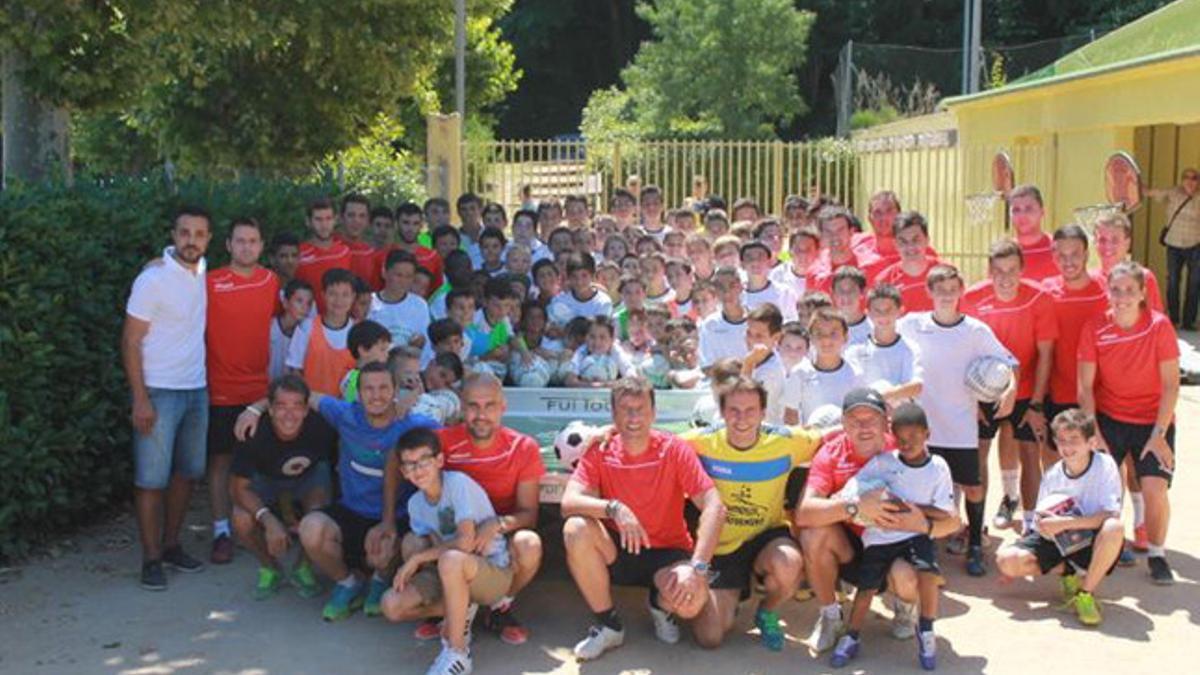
<point x="700" y="566"/>
<point x="1036" y="406"/>
<point x="851" y="509"/>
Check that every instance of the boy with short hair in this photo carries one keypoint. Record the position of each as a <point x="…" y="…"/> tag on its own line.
<point x="403" y="314"/>
<point x="886" y="358"/>
<point x="633" y="298"/>
<point x="680" y="276"/>
<point x="601" y="342"/>
<point x="704" y="299"/>
<point x="491" y="247"/>
<point x="284" y="256"/>
<point x="723" y="333"/>
<point x="849" y="295"/>
<point x="827" y="377"/>
<point x="756" y="259"/>
<point x="446" y="571"/>
<point x="492" y="329"/>
<point x="1078" y="522"/>
<point x="362" y="299"/>
<point x="808" y="305"/>
<point x="369" y="342"/>
<point x="919" y="507"/>
<point x="581" y="297"/>
<point x="804" y="247"/>
<point x="793" y="344"/>
<point x="318" y="351"/>
<point x="654" y="273"/>
<point x="297" y="305"/>
<point x="764" y="325"/>
<point x="909" y="274"/>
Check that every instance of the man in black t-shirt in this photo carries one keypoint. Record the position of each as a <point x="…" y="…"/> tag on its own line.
<point x="290" y="458"/>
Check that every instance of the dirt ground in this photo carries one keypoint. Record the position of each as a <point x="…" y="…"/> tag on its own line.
<point x="79" y="610"/>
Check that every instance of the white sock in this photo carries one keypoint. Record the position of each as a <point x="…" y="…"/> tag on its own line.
<point x="221" y="528"/>
<point x="958" y="498"/>
<point x="1012" y="483"/>
<point x="833" y="611"/>
<point x="1157" y="551"/>
<point x="1139" y="508"/>
<point x="1028" y="517"/>
<point x="350" y="581"/>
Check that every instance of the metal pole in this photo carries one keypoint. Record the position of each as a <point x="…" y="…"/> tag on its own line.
<point x="460" y="59"/>
<point x="976" y="44"/>
<point x="966" y="48"/>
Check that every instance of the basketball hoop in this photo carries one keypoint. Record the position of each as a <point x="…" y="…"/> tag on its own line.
<point x="981" y="206"/>
<point x="1122" y="187"/>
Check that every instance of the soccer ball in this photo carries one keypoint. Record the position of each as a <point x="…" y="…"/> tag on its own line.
<point x="572" y="441"/>
<point x="987" y="377"/>
<point x="401" y="335"/>
<point x="559" y="372"/>
<point x="559" y="313"/>
<point x="826" y="416"/>
<point x="496" y="368"/>
<point x="536" y="374"/>
<point x="598" y="368"/>
<point x="655" y="367"/>
<point x="442" y="405"/>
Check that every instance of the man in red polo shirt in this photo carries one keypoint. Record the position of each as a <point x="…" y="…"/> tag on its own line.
<point x="837" y="252"/>
<point x="242" y="299"/>
<point x="508" y="466"/>
<point x="1025" y="212"/>
<point x="355" y="219"/>
<point x="408" y="228"/>
<point x="625" y="525"/>
<point x="322" y="252"/>
<point x="1022" y="317"/>
<point x="882" y="211"/>
<point x="916" y="259"/>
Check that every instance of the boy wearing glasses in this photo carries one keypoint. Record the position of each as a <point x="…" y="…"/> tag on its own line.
<point x="448" y="570"/>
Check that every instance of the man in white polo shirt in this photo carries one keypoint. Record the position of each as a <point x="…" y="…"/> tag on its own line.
<point x="163" y="351"/>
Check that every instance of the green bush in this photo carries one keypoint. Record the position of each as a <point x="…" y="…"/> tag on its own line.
<point x="67" y="258"/>
<point x="872" y="117"/>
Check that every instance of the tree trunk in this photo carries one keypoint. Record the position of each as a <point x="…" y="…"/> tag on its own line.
<point x="36" y="133"/>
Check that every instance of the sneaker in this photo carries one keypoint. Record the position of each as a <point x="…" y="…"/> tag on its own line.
<point x="428" y="630"/>
<point x="767" y="623"/>
<point x="826" y="632"/>
<point x="342" y="602"/>
<point x="269" y="579"/>
<point x="1160" y="571"/>
<point x="927" y="650"/>
<point x="665" y="627"/>
<point x="451" y="662"/>
<point x="305" y="581"/>
<point x="1004" y="515"/>
<point x="957" y="544"/>
<point x="153" y="577"/>
<point x="975" y="566"/>
<point x="1069" y="584"/>
<point x="847" y="649"/>
<point x="599" y="640"/>
<point x="1141" y="543"/>
<point x="375" y="590"/>
<point x="1086" y="609"/>
<point x="1127" y="558"/>
<point x="904" y="619"/>
<point x="175" y="558"/>
<point x="505" y="624"/>
<point x="222" y="550"/>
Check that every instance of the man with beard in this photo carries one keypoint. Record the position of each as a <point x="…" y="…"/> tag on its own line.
<point x="1026" y="213"/>
<point x="408" y="229"/>
<point x="355" y="219"/>
<point x="322" y="252"/>
<point x="162" y="348"/>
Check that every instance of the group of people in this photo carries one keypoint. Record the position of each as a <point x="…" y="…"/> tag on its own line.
<point x="349" y="399"/>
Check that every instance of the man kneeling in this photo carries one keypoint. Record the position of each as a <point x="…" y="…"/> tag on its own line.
<point x="1078" y="521"/>
<point x="447" y="569"/>
<point x="625" y="523"/>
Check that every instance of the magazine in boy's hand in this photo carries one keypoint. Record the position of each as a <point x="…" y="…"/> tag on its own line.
<point x="1068" y="541"/>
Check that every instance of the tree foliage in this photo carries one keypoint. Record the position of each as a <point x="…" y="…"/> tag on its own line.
<point x="714" y="68"/>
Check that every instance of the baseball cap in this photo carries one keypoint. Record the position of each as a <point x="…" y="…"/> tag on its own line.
<point x="864" y="396"/>
<point x="909" y="414"/>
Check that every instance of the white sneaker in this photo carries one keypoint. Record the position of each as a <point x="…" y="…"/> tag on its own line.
<point x="904" y="618"/>
<point x="826" y="632"/>
<point x="665" y="627"/>
<point x="451" y="662"/>
<point x="599" y="640"/>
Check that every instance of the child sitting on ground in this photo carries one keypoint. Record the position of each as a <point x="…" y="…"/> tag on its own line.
<point x="368" y="342"/>
<point x="600" y="361"/>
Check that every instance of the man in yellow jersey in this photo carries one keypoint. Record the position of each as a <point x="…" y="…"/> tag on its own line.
<point x="749" y="462"/>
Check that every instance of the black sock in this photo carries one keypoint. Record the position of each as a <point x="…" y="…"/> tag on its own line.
<point x="609" y="619"/>
<point x="975" y="523"/>
<point x="852" y="633"/>
<point x="654" y="599"/>
<point x="924" y="624"/>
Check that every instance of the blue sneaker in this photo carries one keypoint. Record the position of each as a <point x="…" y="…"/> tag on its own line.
<point x="767" y="623"/>
<point x="846" y="650"/>
<point x="342" y="602"/>
<point x="371" y="607"/>
<point x="1127" y="558"/>
<point x="927" y="649"/>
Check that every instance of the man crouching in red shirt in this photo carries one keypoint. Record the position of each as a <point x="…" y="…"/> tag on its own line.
<point x="625" y="523"/>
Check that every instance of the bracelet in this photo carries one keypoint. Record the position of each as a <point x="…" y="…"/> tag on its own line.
<point x="1158" y="430"/>
<point x="610" y="509"/>
<point x="253" y="410"/>
<point x="262" y="511"/>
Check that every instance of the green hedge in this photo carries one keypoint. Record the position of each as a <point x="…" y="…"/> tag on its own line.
<point x="67" y="259"/>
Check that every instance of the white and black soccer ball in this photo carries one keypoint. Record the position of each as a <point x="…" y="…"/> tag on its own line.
<point x="500" y="370"/>
<point x="598" y="368"/>
<point x="571" y="442"/>
<point x="535" y="374"/>
<point x="559" y="313"/>
<point x="431" y="405"/>
<point x="656" y="368"/>
<point x="987" y="377"/>
<point x="825" y="417"/>
<point x="559" y="372"/>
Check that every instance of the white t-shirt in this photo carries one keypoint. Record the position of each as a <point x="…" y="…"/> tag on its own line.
<point x="437" y="306"/>
<point x="174" y="301"/>
<point x="784" y="277"/>
<point x="721" y="338"/>
<point x="1096" y="490"/>
<point x="280" y="343"/>
<point x="775" y="294"/>
<point x="859" y="332"/>
<point x="299" y="347"/>
<point x="619" y="356"/>
<point x="403" y="319"/>
<point x="808" y="387"/>
<point x="772" y="374"/>
<point x="947" y="401"/>
<point x="462" y="499"/>
<point x="928" y="484"/>
<point x="897" y="363"/>
<point x="565" y="306"/>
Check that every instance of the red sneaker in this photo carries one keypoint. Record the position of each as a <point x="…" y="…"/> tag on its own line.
<point x="505" y="625"/>
<point x="222" y="550"/>
<point x="1141" y="543"/>
<point x="427" y="630"/>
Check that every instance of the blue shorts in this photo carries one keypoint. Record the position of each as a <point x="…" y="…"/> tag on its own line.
<point x="178" y="443"/>
<point x="316" y="478"/>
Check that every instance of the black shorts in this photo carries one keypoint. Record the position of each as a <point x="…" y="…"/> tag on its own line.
<point x="1128" y="439"/>
<point x="639" y="570"/>
<point x="851" y="572"/>
<point x="735" y="569"/>
<point x="354" y="528"/>
<point x="917" y="550"/>
<point x="221" y="419"/>
<point x="1048" y="556"/>
<point x="989" y="426"/>
<point x="964" y="464"/>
